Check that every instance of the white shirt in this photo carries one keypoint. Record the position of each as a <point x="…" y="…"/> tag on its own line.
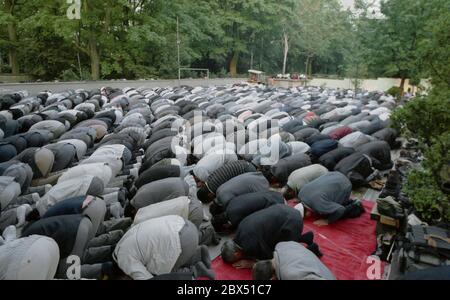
<point x="150" y="248"/>
<point x="100" y="170"/>
<point x="205" y="142"/>
<point x="9" y="190"/>
<point x="31" y="258"/>
<point x="299" y="147"/>
<point x="175" y="207"/>
<point x="68" y="189"/>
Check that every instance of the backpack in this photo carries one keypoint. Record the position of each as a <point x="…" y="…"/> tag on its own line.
<point x="425" y="247"/>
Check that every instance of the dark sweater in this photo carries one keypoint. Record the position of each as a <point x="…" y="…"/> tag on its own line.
<point x="63" y="229"/>
<point x="259" y="233"/>
<point x="242" y="206"/>
<point x="357" y="167"/>
<point x="284" y="167"/>
<point x="329" y="160"/>
<point x="380" y="152"/>
<point x="71" y="206"/>
<point x="157" y="173"/>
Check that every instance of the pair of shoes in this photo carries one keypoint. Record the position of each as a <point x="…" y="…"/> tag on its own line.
<point x="376" y="184"/>
<point x="116" y="210"/>
<point x="389" y="207"/>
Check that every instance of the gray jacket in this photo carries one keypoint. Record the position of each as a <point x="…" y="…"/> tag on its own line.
<point x="294" y="262"/>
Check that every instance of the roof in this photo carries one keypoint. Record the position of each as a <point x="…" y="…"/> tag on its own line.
<point x="255" y="72"/>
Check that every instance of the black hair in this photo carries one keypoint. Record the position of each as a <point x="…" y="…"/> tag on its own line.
<point x="263" y="270"/>
<point x="215" y="209"/>
<point x="267" y="173"/>
<point x="288" y="193"/>
<point x="220" y="222"/>
<point x="203" y="195"/>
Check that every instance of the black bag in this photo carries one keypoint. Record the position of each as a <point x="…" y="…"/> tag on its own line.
<point x="425" y="247"/>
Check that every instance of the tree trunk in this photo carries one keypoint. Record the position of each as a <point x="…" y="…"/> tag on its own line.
<point x="286" y="51"/>
<point x="261" y="55"/>
<point x="233" y="64"/>
<point x="310" y="67"/>
<point x="402" y="86"/>
<point x="13" y="61"/>
<point x="95" y="58"/>
<point x="12" y="36"/>
<point x="306" y="66"/>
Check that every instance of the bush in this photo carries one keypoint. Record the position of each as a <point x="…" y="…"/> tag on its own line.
<point x="437" y="157"/>
<point x="424" y="118"/>
<point x="395" y="92"/>
<point x="428" y="120"/>
<point x="430" y="203"/>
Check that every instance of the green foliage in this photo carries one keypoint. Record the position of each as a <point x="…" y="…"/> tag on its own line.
<point x="425" y="187"/>
<point x="434" y="45"/>
<point x="437" y="157"/>
<point x="425" y="118"/>
<point x="70" y="75"/>
<point x="138" y="38"/>
<point x="428" y="120"/>
<point x="430" y="203"/>
<point x="395" y="91"/>
<point x="396" y="38"/>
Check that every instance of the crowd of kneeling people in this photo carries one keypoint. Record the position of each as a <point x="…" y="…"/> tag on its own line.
<point x="112" y="183"/>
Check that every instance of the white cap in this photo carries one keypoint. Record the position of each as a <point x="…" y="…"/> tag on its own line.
<point x="301" y="209"/>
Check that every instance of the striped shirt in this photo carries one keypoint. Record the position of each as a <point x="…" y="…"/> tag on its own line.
<point x="227" y="172"/>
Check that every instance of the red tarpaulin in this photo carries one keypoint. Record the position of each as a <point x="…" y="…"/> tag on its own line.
<point x="345" y="245"/>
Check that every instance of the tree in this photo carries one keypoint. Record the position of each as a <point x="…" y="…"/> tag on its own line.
<point x="8" y="18"/>
<point x="322" y="25"/>
<point x="433" y="45"/>
<point x="355" y="51"/>
<point x="394" y="40"/>
<point x="427" y="118"/>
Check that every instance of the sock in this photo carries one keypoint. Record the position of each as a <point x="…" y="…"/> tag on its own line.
<point x="10" y="233"/>
<point x="116" y="210"/>
<point x="22" y="211"/>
